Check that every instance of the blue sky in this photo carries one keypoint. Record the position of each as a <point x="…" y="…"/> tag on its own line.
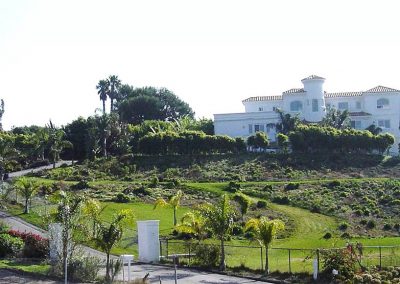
<point x="212" y="54"/>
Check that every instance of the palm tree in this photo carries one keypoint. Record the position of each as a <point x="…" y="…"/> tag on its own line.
<point x="109" y="234"/>
<point x="57" y="142"/>
<point x="27" y="188"/>
<point x="193" y="223"/>
<point x="114" y="84"/>
<point x="265" y="231"/>
<point x="103" y="90"/>
<point x="219" y="220"/>
<point x="174" y="202"/>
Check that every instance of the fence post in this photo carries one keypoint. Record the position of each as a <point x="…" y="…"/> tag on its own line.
<point x="189" y="252"/>
<point x="262" y="260"/>
<point x="380" y="258"/>
<point x="160" y="247"/>
<point x="167" y="247"/>
<point x="290" y="262"/>
<point x="318" y="259"/>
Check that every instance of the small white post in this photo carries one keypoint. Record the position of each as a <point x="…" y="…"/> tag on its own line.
<point x="315" y="266"/>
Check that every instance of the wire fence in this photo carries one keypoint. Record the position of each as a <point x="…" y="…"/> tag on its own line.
<point x="289" y="260"/>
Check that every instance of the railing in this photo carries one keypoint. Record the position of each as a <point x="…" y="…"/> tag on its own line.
<point x="290" y="260"/>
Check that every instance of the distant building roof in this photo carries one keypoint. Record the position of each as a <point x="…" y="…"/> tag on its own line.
<point x="313" y="77"/>
<point x="381" y="89"/>
<point x="294" y="91"/>
<point x="263" y="98"/>
<point x="359" y="113"/>
<point x="343" y="94"/>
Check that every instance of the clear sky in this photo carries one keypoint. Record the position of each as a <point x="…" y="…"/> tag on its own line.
<point x="212" y="54"/>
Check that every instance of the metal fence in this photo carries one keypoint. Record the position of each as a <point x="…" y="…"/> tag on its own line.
<point x="290" y="260"/>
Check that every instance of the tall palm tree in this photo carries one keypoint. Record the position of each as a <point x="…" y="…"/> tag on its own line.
<point x="114" y="85"/>
<point x="174" y="202"/>
<point x="103" y="90"/>
<point x="219" y="220"/>
<point x="265" y="231"/>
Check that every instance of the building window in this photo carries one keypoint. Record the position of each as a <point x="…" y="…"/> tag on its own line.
<point x="314" y="105"/>
<point x="250" y="128"/>
<point x="296" y="106"/>
<point x="343" y="105"/>
<point x="382" y="103"/>
<point x="270" y="127"/>
<point x="258" y="127"/>
<point x="384" y="123"/>
<point x="356" y="124"/>
<point x="358" y="105"/>
<point x="260" y="109"/>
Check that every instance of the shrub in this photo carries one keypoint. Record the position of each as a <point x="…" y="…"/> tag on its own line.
<point x="35" y="246"/>
<point x="363" y="222"/>
<point x="292" y="186"/>
<point x="327" y="236"/>
<point x="80" y="269"/>
<point x="333" y="184"/>
<point x="284" y="200"/>
<point x="207" y="255"/>
<point x="82" y="184"/>
<point x="154" y="182"/>
<point x="371" y="224"/>
<point x="343" y="226"/>
<point x="121" y="198"/>
<point x="343" y="260"/>
<point x="10" y="245"/>
<point x="237" y="230"/>
<point x="262" y="204"/>
<point x="387" y="227"/>
<point x="233" y="187"/>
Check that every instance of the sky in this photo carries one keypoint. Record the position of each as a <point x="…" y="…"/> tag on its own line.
<point x="210" y="53"/>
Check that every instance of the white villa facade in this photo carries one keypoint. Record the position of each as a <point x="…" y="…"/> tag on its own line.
<point x="379" y="105"/>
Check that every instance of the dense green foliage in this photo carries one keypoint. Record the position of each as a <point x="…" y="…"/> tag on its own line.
<point x="136" y="105"/>
<point x="187" y="142"/>
<point x="10" y="245"/>
<point x="313" y="138"/>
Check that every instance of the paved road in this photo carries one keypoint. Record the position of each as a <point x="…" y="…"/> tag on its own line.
<point x="34" y="170"/>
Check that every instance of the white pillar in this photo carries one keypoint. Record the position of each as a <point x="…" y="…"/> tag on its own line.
<point x="148" y="239"/>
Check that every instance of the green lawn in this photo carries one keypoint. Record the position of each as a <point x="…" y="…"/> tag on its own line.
<point x="39" y="268"/>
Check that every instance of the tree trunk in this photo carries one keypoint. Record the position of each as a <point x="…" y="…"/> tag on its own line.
<point x="108" y="278"/>
<point x="175" y="222"/>
<point x="222" y="264"/>
<point x="105" y="146"/>
<point x="26" y="211"/>
<point x="266" y="261"/>
<point x="104" y="107"/>
<point x="112" y="105"/>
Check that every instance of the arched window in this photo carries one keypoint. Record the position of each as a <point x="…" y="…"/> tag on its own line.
<point x="382" y="103"/>
<point x="296" y="106"/>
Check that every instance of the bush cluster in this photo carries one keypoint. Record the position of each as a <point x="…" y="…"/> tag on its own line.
<point x="189" y="142"/>
<point x="313" y="138"/>
<point x="10" y="245"/>
<point x="35" y="246"/>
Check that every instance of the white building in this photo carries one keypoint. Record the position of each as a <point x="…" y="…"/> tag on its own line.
<point x="379" y="106"/>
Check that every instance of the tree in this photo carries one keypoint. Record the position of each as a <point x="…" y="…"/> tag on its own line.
<point x="244" y="202"/>
<point x="193" y="223"/>
<point x="27" y="188"/>
<point x="375" y="130"/>
<point x="1" y="113"/>
<point x="219" y="220"/>
<point x="103" y="89"/>
<point x="336" y="119"/>
<point x="259" y="140"/>
<point x="110" y="233"/>
<point x="69" y="214"/>
<point x="57" y="142"/>
<point x="114" y="84"/>
<point x="159" y="104"/>
<point x="174" y="202"/>
<point x="264" y="232"/>
<point x="287" y="122"/>
<point x="138" y="109"/>
<point x="283" y="142"/>
<point x="92" y="211"/>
